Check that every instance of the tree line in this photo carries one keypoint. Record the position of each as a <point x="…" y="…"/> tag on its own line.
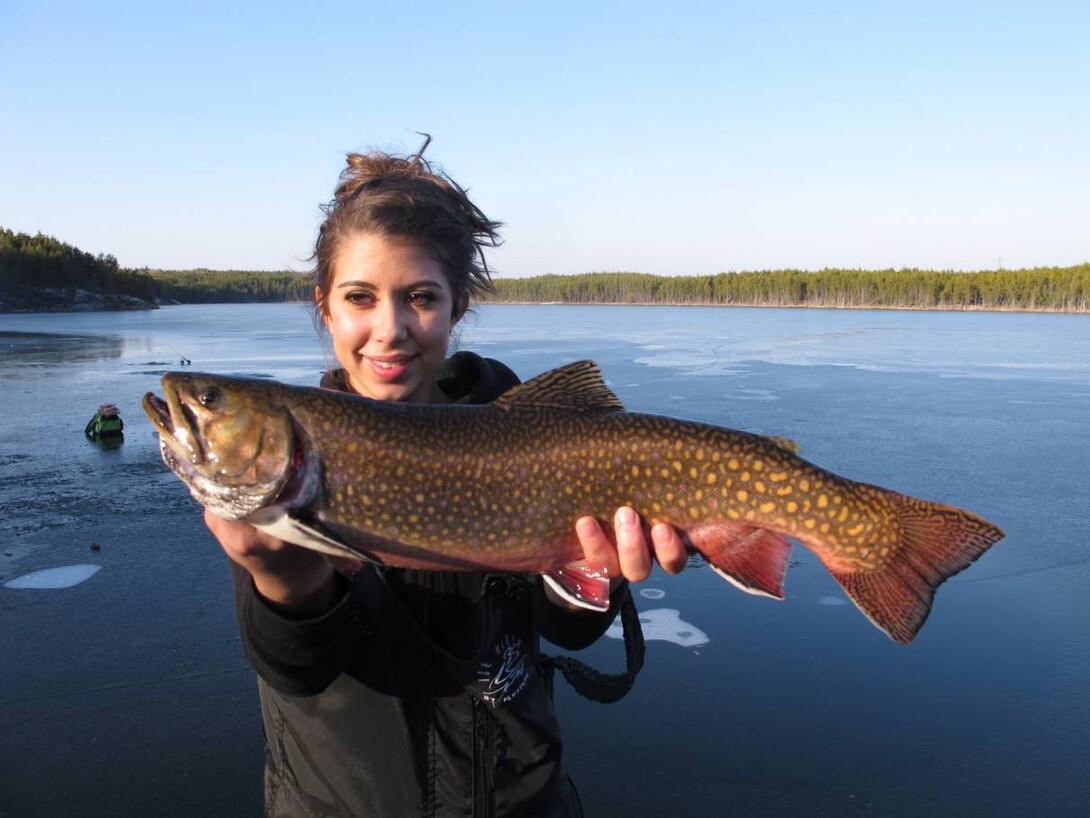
<point x="37" y="271"/>
<point x="41" y="271"/>
<point x="1061" y="289"/>
<point x="230" y="286"/>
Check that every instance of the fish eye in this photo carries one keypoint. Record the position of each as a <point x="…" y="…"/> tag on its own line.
<point x="209" y="397"/>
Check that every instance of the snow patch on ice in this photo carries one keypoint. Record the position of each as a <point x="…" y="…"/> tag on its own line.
<point x="666" y="625"/>
<point x="67" y="576"/>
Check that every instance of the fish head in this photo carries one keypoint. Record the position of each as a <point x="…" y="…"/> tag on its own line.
<point x="230" y="440"/>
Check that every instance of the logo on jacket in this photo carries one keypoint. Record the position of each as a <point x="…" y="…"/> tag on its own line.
<point x="504" y="675"/>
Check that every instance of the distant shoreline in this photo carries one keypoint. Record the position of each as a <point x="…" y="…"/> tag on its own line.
<point x="7" y="309"/>
<point x="884" y="307"/>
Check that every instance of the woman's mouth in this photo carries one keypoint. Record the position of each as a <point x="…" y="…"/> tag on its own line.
<point x="390" y="368"/>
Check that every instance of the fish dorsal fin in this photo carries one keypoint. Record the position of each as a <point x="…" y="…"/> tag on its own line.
<point x="577" y="386"/>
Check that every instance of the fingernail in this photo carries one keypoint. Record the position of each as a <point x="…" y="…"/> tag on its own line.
<point x="585" y="526"/>
<point x="626" y="518"/>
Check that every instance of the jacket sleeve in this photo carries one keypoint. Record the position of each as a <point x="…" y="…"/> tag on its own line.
<point x="570" y="629"/>
<point x="298" y="657"/>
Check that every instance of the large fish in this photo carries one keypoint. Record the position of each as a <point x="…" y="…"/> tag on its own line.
<point x="499" y="487"/>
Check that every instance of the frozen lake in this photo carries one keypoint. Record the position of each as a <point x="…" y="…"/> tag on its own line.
<point x="126" y="691"/>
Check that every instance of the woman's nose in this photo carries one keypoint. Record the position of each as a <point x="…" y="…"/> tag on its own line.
<point x="389" y="322"/>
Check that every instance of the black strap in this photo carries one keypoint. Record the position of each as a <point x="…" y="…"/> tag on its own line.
<point x="606" y="687"/>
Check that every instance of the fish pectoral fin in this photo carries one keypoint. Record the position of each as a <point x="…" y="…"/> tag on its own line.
<point x="284" y="527"/>
<point x="580" y="585"/>
<point x="752" y="559"/>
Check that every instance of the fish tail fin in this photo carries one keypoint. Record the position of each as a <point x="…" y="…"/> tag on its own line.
<point x="937" y="542"/>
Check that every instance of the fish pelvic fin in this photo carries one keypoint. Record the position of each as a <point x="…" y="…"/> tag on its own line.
<point x="580" y="585"/>
<point x="751" y="559"/>
<point x="576" y="386"/>
<point x="937" y="542"/>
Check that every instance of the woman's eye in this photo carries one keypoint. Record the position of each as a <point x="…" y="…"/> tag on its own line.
<point x="421" y="298"/>
<point x="359" y="298"/>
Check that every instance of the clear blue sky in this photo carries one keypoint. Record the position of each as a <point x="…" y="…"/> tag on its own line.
<point x="666" y="137"/>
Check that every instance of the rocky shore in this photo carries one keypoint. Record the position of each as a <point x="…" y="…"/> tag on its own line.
<point x="51" y="300"/>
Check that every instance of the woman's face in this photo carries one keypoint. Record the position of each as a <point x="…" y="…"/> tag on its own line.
<point x="390" y="310"/>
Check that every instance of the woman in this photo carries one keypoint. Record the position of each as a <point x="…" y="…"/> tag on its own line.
<point x="396" y="692"/>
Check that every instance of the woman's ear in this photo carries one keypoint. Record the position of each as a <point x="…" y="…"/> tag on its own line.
<point x="460" y="309"/>
<point x="319" y="301"/>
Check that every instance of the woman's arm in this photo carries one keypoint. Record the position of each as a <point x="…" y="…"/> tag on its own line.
<point x="296" y="581"/>
<point x="295" y="614"/>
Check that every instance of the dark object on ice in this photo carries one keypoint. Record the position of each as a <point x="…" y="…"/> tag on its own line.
<point x="106" y="423"/>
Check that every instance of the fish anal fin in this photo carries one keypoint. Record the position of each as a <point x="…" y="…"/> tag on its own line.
<point x="577" y="386"/>
<point x="936" y="542"/>
<point x="752" y="559"/>
<point x="580" y="585"/>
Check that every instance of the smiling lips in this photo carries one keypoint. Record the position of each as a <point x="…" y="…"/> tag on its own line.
<point x="389" y="367"/>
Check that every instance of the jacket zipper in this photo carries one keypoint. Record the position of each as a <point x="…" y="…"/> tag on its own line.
<point x="484" y="762"/>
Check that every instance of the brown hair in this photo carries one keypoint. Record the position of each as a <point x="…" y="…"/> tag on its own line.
<point x="407" y="198"/>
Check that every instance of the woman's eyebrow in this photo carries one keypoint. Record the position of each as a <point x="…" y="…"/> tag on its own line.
<point x="426" y="282"/>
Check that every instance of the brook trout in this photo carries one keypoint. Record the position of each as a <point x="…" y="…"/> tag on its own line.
<point x="499" y="487"/>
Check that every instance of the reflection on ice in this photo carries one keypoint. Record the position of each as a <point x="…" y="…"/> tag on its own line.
<point x="67" y="576"/>
<point x="664" y="624"/>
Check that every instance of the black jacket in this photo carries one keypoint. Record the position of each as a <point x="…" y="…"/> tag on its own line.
<point x="421" y="692"/>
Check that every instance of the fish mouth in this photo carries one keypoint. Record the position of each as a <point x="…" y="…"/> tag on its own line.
<point x="159" y="413"/>
<point x="175" y="423"/>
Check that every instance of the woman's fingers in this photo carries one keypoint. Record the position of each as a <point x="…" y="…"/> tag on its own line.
<point x="670" y="551"/>
<point x="632" y="551"/>
<point x="632" y="556"/>
<point x="597" y="549"/>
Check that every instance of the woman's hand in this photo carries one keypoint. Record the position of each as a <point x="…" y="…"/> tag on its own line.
<point x="633" y="557"/>
<point x="295" y="580"/>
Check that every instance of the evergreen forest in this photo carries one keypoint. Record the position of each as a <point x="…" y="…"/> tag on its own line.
<point x="41" y="272"/>
<point x="1059" y="289"/>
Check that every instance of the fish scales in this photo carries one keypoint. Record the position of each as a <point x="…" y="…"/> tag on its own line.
<point x="522" y="489"/>
<point x="498" y="487"/>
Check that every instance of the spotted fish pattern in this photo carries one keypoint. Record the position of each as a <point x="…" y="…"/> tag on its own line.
<point x="499" y="486"/>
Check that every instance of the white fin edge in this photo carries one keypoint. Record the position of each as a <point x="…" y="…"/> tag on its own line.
<point x="277" y="523"/>
<point x="741" y="587"/>
<point x="568" y="596"/>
